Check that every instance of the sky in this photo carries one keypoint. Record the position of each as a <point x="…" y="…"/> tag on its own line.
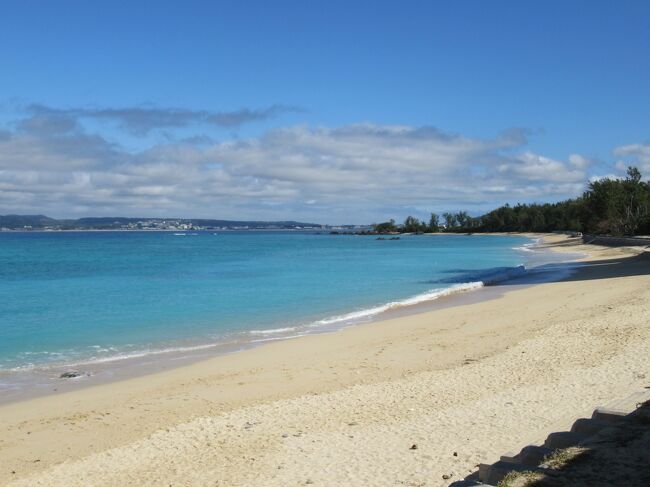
<point x="327" y="112"/>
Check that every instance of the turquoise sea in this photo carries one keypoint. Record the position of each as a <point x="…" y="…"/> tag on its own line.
<point x="69" y="299"/>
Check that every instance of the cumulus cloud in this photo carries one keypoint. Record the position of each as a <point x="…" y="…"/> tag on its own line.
<point x="400" y="164"/>
<point x="533" y="167"/>
<point x="636" y="154"/>
<point x="140" y="120"/>
<point x="579" y="162"/>
<point x="353" y="173"/>
<point x="55" y="144"/>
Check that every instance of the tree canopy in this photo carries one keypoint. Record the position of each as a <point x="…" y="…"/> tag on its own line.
<point x="608" y="206"/>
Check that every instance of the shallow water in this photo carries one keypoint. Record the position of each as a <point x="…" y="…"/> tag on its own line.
<point x="80" y="298"/>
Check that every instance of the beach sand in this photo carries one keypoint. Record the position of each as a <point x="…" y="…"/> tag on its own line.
<point x="464" y="384"/>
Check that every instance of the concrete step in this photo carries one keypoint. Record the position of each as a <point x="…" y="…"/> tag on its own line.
<point x="606" y="415"/>
<point x="628" y="403"/>
<point x="588" y="427"/>
<point x="531" y="455"/>
<point x="563" y="439"/>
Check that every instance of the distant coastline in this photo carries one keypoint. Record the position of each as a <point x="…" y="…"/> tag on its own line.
<point x="158" y="230"/>
<point x="28" y="223"/>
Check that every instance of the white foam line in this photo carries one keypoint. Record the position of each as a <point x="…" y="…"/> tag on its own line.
<point x="420" y="298"/>
<point x="273" y="339"/>
<point x="272" y="331"/>
<point x="348" y="318"/>
<point x="115" y="358"/>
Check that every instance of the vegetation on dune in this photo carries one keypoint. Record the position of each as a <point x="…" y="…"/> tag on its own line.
<point x="609" y="206"/>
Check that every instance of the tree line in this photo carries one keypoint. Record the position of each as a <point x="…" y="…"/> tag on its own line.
<point x="607" y="207"/>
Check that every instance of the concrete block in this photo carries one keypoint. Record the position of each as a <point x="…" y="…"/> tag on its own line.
<point x="533" y="455"/>
<point x="563" y="439"/>
<point x="588" y="427"/>
<point x="530" y="455"/>
<point x="608" y="415"/>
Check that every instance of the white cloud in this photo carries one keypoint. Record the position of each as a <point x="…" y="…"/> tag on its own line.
<point x="579" y="162"/>
<point x="534" y="167"/>
<point x="639" y="154"/>
<point x="598" y="177"/>
<point x="354" y="173"/>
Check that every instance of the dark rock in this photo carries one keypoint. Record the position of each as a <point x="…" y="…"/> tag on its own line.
<point x="413" y="447"/>
<point x="71" y="374"/>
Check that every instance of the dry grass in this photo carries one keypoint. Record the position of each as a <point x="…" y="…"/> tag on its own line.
<point x="618" y="455"/>
<point x="561" y="458"/>
<point x="520" y="479"/>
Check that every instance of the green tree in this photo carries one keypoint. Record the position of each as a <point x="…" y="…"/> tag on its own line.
<point x="385" y="227"/>
<point x="617" y="207"/>
<point x="412" y="225"/>
<point x="636" y="203"/>
<point x="450" y="220"/>
<point x="462" y="219"/>
<point x="434" y="223"/>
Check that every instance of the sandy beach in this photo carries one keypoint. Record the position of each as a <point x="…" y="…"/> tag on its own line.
<point x="463" y="383"/>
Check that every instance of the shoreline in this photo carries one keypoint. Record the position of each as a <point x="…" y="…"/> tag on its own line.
<point x="44" y="379"/>
<point x="361" y="394"/>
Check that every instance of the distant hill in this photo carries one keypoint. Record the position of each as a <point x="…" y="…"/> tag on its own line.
<point x="21" y="222"/>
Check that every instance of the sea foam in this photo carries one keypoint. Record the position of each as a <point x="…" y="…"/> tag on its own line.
<point x="487" y="277"/>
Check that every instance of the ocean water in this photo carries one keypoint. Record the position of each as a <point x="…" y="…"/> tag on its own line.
<point x="68" y="299"/>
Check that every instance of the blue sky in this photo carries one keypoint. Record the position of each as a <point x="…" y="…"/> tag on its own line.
<point x="330" y="111"/>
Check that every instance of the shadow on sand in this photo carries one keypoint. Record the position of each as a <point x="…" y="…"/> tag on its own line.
<point x="636" y="265"/>
<point x="608" y="449"/>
